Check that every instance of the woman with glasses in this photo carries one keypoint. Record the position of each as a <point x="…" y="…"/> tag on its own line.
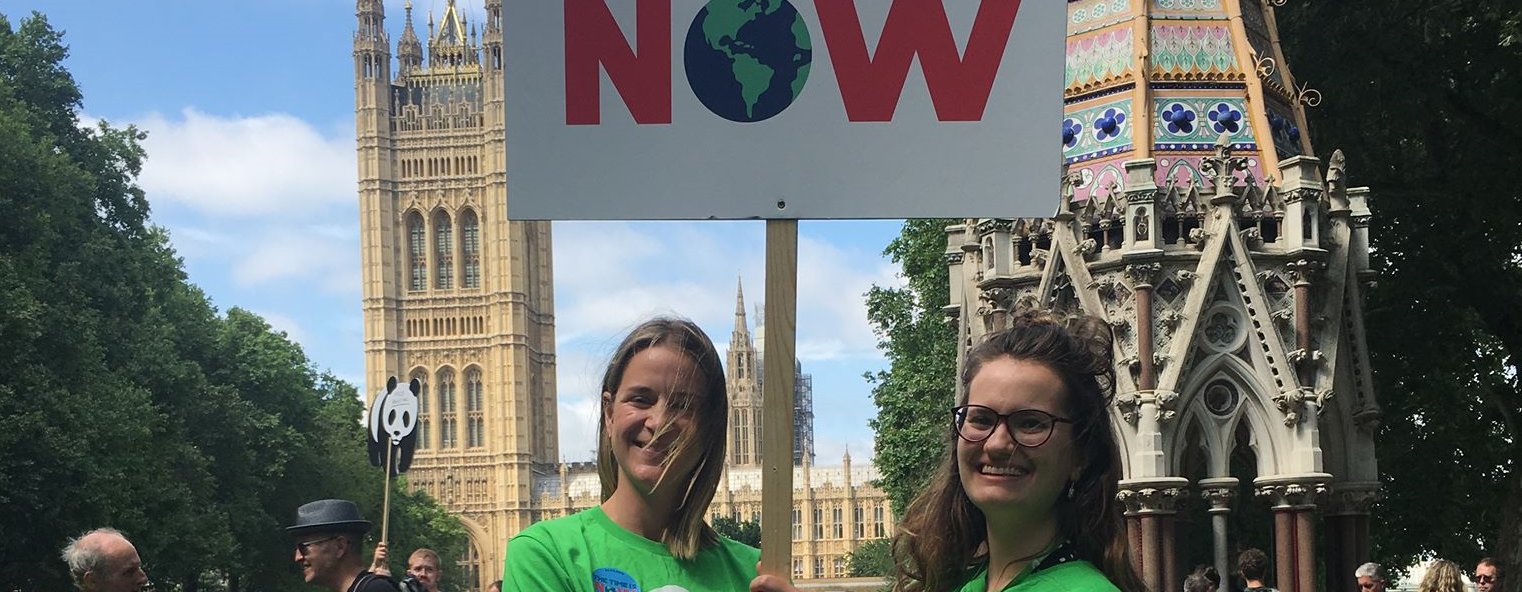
<point x="1025" y="500"/>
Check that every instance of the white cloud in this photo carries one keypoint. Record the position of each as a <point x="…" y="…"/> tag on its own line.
<point x="608" y="276"/>
<point x="283" y="322"/>
<point x="246" y="166"/>
<point x="302" y="254"/>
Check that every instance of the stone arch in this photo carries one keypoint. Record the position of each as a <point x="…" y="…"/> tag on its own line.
<point x="426" y="411"/>
<point x="1251" y="408"/>
<point x="476" y="539"/>
<point x="1180" y="165"/>
<point x="443" y="248"/>
<point x="415" y="227"/>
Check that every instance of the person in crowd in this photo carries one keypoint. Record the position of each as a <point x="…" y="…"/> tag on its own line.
<point x="328" y="535"/>
<point x="422" y="567"/>
<point x="1442" y="576"/>
<point x="1025" y="497"/>
<point x="1487" y="575"/>
<point x="103" y="560"/>
<point x="1253" y="565"/>
<point x="1204" y="578"/>
<point x="1371" y="577"/>
<point x="660" y="449"/>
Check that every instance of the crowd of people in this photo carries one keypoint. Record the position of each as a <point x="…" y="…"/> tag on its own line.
<point x="1023" y="500"/>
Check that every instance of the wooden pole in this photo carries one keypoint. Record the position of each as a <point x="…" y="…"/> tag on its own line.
<point x="777" y="394"/>
<point x="386" y="498"/>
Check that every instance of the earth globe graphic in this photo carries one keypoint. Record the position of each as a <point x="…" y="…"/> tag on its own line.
<point x="747" y="60"/>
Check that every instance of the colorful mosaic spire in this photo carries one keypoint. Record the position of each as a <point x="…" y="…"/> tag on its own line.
<point x="1167" y="79"/>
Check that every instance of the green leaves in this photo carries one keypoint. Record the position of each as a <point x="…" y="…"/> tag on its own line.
<point x="128" y="401"/>
<point x="915" y="395"/>
<point x="1423" y="97"/>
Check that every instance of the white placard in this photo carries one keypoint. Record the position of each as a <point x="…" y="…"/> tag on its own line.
<point x="947" y="108"/>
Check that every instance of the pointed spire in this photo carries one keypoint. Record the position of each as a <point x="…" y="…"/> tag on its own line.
<point x="739" y="298"/>
<point x="409" y="51"/>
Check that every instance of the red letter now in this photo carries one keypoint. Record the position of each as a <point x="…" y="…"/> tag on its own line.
<point x="593" y="40"/>
<point x="959" y="87"/>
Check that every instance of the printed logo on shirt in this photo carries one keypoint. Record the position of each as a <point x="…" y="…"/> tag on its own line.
<point x="607" y="579"/>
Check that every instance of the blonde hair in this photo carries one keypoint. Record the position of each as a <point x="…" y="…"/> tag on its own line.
<point x="1442" y="576"/>
<point x="688" y="533"/>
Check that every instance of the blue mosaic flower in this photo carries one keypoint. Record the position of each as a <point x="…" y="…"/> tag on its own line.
<point x="1070" y="131"/>
<point x="1180" y="119"/>
<point x="1108" y="125"/>
<point x="1226" y="118"/>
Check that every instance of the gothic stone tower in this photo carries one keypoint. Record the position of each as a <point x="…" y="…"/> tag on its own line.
<point x="455" y="295"/>
<point x="1197" y="223"/>
<point x="743" y="367"/>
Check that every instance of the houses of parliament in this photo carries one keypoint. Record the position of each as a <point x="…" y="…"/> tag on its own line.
<point x="462" y="298"/>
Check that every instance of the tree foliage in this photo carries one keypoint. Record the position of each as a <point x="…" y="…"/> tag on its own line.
<point x="744" y="531"/>
<point x="128" y="401"/>
<point x="1422" y="97"/>
<point x="871" y="559"/>
<point x="914" y="396"/>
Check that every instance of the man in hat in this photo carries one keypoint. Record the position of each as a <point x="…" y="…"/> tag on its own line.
<point x="328" y="534"/>
<point x="103" y="560"/>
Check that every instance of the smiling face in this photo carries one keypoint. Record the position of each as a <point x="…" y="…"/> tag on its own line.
<point x="1014" y="484"/>
<point x="319" y="556"/>
<point x="647" y="417"/>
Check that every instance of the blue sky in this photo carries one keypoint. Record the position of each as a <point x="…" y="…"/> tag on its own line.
<point x="249" y="110"/>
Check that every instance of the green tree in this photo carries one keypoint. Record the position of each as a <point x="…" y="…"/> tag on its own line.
<point x="1422" y="96"/>
<point x="914" y="396"/>
<point x="744" y="531"/>
<point x="873" y="558"/>
<point x="128" y="400"/>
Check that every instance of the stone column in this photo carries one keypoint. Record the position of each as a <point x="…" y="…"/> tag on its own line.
<point x="1151" y="505"/>
<point x="1294" y="506"/>
<point x="1346" y="517"/>
<point x="1219" y="492"/>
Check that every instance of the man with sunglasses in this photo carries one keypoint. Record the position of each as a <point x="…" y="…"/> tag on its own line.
<point x="1487" y="576"/>
<point x="328" y="535"/>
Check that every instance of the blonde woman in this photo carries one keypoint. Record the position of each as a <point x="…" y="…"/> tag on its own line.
<point x="1442" y="576"/>
<point x="660" y="451"/>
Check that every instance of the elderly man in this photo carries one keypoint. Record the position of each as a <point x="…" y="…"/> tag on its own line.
<point x="1371" y="577"/>
<point x="328" y="535"/>
<point x="1487" y="576"/>
<point x="103" y="560"/>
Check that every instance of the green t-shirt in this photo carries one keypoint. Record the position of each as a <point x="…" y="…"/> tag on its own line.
<point x="588" y="552"/>
<point x="1069" y="576"/>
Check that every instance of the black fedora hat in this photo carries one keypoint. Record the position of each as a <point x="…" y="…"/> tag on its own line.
<point x="329" y="515"/>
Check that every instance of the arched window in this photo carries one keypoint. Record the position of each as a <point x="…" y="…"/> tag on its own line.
<point x="448" y="423"/>
<point x="424" y="417"/>
<point x="470" y="249"/>
<point x="475" y="426"/>
<point x="417" y="251"/>
<point x="471" y="565"/>
<point x="443" y="251"/>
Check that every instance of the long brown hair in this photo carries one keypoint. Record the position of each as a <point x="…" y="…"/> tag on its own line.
<point x="688" y="533"/>
<point x="943" y="533"/>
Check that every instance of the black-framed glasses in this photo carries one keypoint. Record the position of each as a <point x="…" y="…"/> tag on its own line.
<point x="1485" y="579"/>
<point x="1029" y="427"/>
<point x="305" y="547"/>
